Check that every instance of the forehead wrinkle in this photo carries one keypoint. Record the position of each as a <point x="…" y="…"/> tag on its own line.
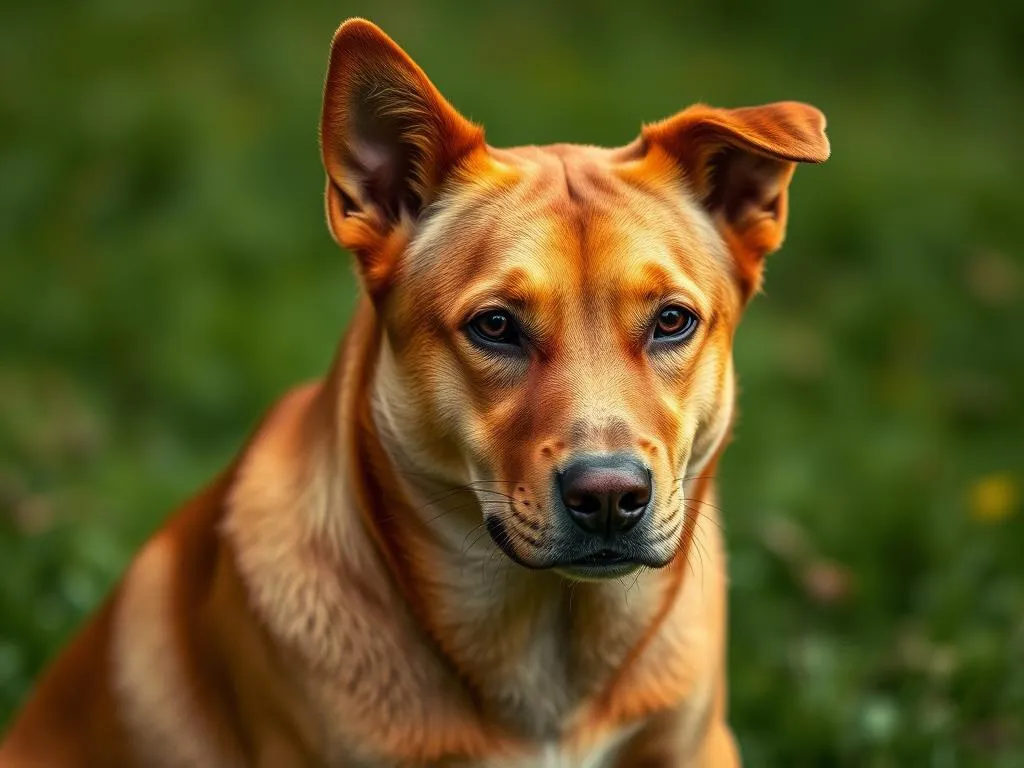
<point x="665" y="210"/>
<point x="476" y="203"/>
<point x="681" y="242"/>
<point x="472" y="232"/>
<point x="701" y="234"/>
<point x="526" y="276"/>
<point x="660" y="272"/>
<point x="669" y="198"/>
<point x="581" y="239"/>
<point x="638" y="255"/>
<point x="456" y="221"/>
<point x="516" y="286"/>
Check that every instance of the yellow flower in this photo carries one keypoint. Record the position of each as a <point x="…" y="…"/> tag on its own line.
<point x="994" y="497"/>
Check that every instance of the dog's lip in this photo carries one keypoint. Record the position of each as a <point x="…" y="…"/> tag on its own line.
<point x="602" y="558"/>
<point x="599" y="566"/>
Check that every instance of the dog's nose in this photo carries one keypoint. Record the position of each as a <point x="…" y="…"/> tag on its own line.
<point x="605" y="494"/>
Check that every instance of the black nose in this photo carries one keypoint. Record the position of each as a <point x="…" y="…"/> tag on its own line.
<point x="605" y="494"/>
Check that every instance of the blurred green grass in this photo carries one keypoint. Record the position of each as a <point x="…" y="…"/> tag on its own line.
<point x="166" y="274"/>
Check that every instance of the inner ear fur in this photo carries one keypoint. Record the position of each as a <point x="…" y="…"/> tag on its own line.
<point x="739" y="163"/>
<point x="388" y="138"/>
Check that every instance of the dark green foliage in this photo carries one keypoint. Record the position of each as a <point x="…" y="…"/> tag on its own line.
<point x="165" y="273"/>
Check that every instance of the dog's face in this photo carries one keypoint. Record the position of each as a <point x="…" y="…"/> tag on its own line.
<point x="558" y="320"/>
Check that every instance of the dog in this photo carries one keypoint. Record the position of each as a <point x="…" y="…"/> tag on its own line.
<point x="488" y="536"/>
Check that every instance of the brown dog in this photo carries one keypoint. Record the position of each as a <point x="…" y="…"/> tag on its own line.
<point x="488" y="536"/>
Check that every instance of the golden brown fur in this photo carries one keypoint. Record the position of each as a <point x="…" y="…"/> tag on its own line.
<point x="376" y="580"/>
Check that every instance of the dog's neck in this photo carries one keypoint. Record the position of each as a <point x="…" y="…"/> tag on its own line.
<point x="533" y="646"/>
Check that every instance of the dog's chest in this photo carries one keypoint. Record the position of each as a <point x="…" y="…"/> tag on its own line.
<point x="529" y="684"/>
<point x="601" y="754"/>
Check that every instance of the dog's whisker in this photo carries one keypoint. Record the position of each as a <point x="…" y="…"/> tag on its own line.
<point x="701" y="500"/>
<point x="698" y="513"/>
<point x="695" y="508"/>
<point x="691" y="478"/>
<point x="449" y="510"/>
<point x="572" y="591"/>
<point x="621" y="581"/>
<point x="663" y="536"/>
<point x="636" y="579"/>
<point x="701" y="550"/>
<point x="462" y="489"/>
<point x="473" y="530"/>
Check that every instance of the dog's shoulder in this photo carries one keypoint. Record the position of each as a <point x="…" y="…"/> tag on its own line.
<point x="186" y="649"/>
<point x="359" y="672"/>
<point x="68" y="722"/>
<point x="143" y="671"/>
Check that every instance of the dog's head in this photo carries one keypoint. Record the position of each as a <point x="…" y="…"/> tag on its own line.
<point x="558" y="321"/>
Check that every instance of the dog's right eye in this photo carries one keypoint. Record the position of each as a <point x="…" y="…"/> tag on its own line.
<point x="495" y="328"/>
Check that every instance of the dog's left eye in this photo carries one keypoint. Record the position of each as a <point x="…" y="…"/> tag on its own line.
<point x="495" y="328"/>
<point x="675" y="323"/>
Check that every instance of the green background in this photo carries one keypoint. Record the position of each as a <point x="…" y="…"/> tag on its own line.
<point x="166" y="274"/>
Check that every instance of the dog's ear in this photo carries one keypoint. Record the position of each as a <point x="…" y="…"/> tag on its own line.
<point x="739" y="163"/>
<point x="388" y="138"/>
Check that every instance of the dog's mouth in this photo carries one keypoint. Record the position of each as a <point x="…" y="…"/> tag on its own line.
<point x="580" y="562"/>
<point x="603" y="558"/>
<point x="603" y="564"/>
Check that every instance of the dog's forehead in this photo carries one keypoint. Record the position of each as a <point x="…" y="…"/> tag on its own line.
<point x="560" y="215"/>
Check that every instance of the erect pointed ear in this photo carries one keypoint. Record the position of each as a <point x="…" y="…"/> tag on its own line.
<point x="739" y="163"/>
<point x="388" y="140"/>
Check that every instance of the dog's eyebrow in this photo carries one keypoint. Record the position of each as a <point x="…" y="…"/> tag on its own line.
<point x="656" y="283"/>
<point x="517" y="287"/>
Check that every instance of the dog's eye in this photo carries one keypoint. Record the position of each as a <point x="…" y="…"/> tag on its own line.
<point x="495" y="327"/>
<point x="675" y="323"/>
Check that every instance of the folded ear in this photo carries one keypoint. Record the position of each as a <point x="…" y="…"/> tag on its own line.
<point x="739" y="163"/>
<point x="388" y="139"/>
